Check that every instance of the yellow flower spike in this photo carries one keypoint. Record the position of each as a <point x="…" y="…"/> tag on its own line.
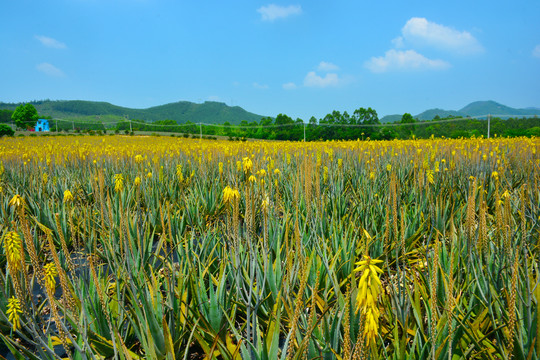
<point x="16" y="201"/>
<point x="265" y="203"/>
<point x="230" y="194"/>
<point x="252" y="179"/>
<point x="68" y="197"/>
<point x="369" y="289"/>
<point x="13" y="311"/>
<point x="13" y="249"/>
<point x="50" y="272"/>
<point x="118" y="182"/>
<point x="137" y="181"/>
<point x="247" y="164"/>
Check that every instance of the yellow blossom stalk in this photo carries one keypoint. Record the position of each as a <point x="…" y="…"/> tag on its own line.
<point x="14" y="250"/>
<point x="68" y="197"/>
<point x="14" y="311"/>
<point x="118" y="182"/>
<point x="369" y="289"/>
<point x="49" y="274"/>
<point x="16" y="201"/>
<point x="230" y="194"/>
<point x="247" y="164"/>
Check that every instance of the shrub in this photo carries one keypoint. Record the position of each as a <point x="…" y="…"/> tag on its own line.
<point x="6" y="130"/>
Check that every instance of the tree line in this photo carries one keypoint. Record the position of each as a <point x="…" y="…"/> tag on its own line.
<point x="363" y="124"/>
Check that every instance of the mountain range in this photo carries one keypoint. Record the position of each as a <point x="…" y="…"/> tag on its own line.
<point x="208" y="112"/>
<point x="218" y="113"/>
<point x="476" y="108"/>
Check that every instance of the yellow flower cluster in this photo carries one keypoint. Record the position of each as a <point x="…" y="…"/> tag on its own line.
<point x="13" y="311"/>
<point x="369" y="289"/>
<point x="247" y="164"/>
<point x="13" y="249"/>
<point x="68" y="196"/>
<point x="229" y="194"/>
<point x="16" y="201"/>
<point x="118" y="182"/>
<point x="50" y="273"/>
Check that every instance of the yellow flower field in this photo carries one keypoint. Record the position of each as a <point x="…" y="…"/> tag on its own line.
<point x="166" y="248"/>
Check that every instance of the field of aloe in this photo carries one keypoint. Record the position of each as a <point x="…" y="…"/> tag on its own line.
<point x="167" y="248"/>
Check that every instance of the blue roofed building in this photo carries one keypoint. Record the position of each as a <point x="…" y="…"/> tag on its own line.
<point x="42" y="125"/>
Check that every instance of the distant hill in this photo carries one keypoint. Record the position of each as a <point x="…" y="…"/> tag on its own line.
<point x="390" y="118"/>
<point x="208" y="112"/>
<point x="478" y="108"/>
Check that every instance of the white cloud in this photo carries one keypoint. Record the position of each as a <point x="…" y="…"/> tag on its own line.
<point x="536" y="51"/>
<point x="327" y="66"/>
<point x="260" y="86"/>
<point x="314" y="80"/>
<point x="398" y="42"/>
<point x="289" y="86"/>
<point x="420" y="31"/>
<point x="50" y="42"/>
<point x="273" y="12"/>
<point x="404" y="60"/>
<point x="50" y="70"/>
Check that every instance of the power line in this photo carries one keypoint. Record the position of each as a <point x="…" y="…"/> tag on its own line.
<point x="427" y="122"/>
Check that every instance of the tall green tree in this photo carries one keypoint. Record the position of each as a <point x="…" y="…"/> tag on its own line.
<point x="25" y="116"/>
<point x="407" y="119"/>
<point x="365" y="116"/>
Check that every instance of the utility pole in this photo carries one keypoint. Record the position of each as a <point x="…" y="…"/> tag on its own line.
<point x="200" y="128"/>
<point x="304" y="132"/>
<point x="73" y="125"/>
<point x="56" y="124"/>
<point x="130" y="128"/>
<point x="489" y="121"/>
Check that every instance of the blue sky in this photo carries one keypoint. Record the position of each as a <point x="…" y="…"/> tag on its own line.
<point x="301" y="58"/>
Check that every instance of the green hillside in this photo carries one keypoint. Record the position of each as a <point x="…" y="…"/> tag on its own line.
<point x="208" y="112"/>
<point x="492" y="107"/>
<point x="478" y="108"/>
<point x="431" y="113"/>
<point x="391" y="118"/>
